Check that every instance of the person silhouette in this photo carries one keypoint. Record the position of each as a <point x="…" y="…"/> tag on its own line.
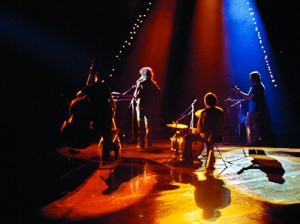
<point x="102" y="106"/>
<point x="146" y="95"/>
<point x="257" y="114"/>
<point x="210" y="127"/>
<point x="211" y="195"/>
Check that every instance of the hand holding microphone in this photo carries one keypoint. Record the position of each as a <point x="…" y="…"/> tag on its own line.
<point x="140" y="79"/>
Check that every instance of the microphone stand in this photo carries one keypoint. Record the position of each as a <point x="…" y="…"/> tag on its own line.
<point x="133" y="140"/>
<point x="127" y="91"/>
<point x="192" y="115"/>
<point x="239" y="103"/>
<point x="188" y="111"/>
<point x="184" y="114"/>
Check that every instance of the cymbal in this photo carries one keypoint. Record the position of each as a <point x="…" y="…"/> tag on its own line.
<point x="174" y="125"/>
<point x="197" y="113"/>
<point x="115" y="93"/>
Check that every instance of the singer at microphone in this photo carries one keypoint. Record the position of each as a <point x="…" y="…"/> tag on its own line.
<point x="142" y="78"/>
<point x="147" y="94"/>
<point x="138" y="81"/>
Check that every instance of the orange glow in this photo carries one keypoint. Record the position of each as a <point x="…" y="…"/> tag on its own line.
<point x="156" y="192"/>
<point x="206" y="61"/>
<point x="152" y="44"/>
<point x="85" y="202"/>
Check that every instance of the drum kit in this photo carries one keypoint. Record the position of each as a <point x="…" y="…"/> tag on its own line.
<point x="197" y="113"/>
<point x="178" y="139"/>
<point x="182" y="130"/>
<point x="178" y="142"/>
<point x="177" y="126"/>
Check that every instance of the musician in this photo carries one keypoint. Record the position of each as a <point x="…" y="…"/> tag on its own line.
<point x="146" y="95"/>
<point x="210" y="127"/>
<point x="257" y="108"/>
<point x="102" y="107"/>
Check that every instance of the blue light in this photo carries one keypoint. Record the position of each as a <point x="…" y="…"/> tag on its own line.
<point x="248" y="50"/>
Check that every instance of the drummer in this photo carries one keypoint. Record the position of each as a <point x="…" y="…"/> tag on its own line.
<point x="210" y="127"/>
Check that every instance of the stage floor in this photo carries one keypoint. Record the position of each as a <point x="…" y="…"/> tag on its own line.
<point x="149" y="186"/>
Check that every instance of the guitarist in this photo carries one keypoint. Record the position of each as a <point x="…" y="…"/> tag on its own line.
<point x="257" y="109"/>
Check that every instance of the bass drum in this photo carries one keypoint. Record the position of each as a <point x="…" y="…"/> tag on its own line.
<point x="197" y="148"/>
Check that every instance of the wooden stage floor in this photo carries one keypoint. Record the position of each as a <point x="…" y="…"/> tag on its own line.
<point x="149" y="186"/>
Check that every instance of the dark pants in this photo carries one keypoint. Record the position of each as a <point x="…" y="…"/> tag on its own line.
<point x="144" y="122"/>
<point x="254" y="127"/>
<point x="102" y="128"/>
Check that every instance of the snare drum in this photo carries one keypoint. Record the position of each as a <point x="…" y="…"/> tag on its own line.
<point x="193" y="131"/>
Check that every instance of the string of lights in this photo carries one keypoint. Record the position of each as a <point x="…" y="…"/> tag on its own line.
<point x="260" y="39"/>
<point x="129" y="40"/>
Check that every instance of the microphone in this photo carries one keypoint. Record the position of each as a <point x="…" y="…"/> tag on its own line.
<point x="137" y="81"/>
<point x="140" y="79"/>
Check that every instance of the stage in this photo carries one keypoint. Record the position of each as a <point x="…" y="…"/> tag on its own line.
<point x="150" y="186"/>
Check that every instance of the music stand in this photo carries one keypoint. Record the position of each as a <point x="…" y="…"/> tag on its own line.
<point x="132" y="103"/>
<point x="239" y="103"/>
